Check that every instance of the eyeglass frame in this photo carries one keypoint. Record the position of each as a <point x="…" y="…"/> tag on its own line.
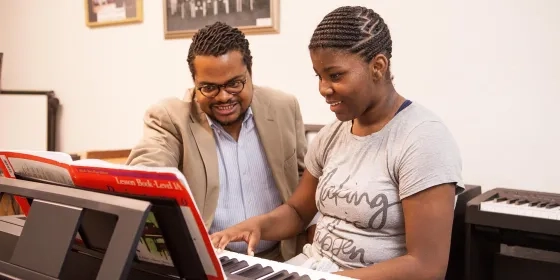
<point x="220" y="86"/>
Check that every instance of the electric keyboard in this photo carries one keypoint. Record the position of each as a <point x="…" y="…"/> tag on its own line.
<point x="528" y="211"/>
<point x="243" y="267"/>
<point x="512" y="234"/>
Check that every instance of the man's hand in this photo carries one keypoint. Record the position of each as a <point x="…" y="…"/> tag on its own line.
<point x="248" y="231"/>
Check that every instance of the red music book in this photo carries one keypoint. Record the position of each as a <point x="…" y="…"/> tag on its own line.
<point x="59" y="168"/>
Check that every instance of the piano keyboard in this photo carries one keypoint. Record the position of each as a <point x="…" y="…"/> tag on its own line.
<point x="519" y="206"/>
<point x="243" y="267"/>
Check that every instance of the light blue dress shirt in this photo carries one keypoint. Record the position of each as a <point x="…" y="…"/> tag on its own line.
<point x="247" y="187"/>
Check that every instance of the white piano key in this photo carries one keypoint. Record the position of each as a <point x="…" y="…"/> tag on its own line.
<point x="278" y="266"/>
<point x="526" y="209"/>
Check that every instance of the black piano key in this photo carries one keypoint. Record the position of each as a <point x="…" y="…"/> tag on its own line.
<point x="228" y="261"/>
<point x="512" y="200"/>
<point x="295" y="276"/>
<point x="522" y="201"/>
<point x="256" y="271"/>
<point x="277" y="276"/>
<point x="237" y="277"/>
<point x="534" y="203"/>
<point x="291" y="276"/>
<point x="223" y="259"/>
<point x="552" y="205"/>
<point x="249" y="270"/>
<point x="542" y="204"/>
<point x="500" y="199"/>
<point x="235" y="266"/>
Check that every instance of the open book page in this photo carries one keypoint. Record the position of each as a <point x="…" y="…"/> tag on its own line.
<point x="36" y="165"/>
<point x="41" y="165"/>
<point x="152" y="247"/>
<point x="56" y="156"/>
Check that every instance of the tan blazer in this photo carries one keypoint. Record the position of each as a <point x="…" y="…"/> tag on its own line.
<point x="177" y="133"/>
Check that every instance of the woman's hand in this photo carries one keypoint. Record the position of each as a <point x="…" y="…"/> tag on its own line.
<point x="248" y="231"/>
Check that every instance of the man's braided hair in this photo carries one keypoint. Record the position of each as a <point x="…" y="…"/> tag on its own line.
<point x="355" y="29"/>
<point x="218" y="39"/>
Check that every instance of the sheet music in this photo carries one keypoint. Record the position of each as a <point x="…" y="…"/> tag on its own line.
<point x="41" y="170"/>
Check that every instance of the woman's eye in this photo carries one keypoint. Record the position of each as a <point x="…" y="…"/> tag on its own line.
<point x="335" y="77"/>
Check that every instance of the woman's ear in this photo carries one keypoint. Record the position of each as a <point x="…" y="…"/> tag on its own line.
<point x="378" y="67"/>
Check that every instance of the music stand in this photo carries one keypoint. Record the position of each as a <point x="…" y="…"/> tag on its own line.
<point x="111" y="227"/>
<point x="98" y="227"/>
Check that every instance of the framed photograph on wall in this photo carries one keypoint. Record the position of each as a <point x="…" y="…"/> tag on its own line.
<point x="113" y="12"/>
<point x="182" y="18"/>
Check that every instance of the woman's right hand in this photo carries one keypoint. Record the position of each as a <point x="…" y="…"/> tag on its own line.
<point x="248" y="231"/>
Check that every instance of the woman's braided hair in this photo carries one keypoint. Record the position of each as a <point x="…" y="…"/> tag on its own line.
<point x="355" y="29"/>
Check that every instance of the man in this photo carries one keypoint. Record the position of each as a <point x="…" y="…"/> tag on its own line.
<point x="241" y="147"/>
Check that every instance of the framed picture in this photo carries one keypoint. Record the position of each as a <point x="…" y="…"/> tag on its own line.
<point x="182" y="18"/>
<point x="112" y="12"/>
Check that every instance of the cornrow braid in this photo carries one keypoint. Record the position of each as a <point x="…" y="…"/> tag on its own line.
<point x="218" y="39"/>
<point x="354" y="29"/>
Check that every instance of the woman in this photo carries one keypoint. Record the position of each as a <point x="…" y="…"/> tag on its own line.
<point x="383" y="176"/>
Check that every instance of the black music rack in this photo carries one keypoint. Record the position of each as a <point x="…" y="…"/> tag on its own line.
<point x="44" y="246"/>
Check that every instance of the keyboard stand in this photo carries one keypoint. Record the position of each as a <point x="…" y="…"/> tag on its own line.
<point x="53" y="221"/>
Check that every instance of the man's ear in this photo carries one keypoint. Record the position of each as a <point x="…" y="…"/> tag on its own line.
<point x="193" y="94"/>
<point x="379" y="66"/>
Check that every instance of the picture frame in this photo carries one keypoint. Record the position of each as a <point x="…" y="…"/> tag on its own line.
<point x="183" y="18"/>
<point x="113" y="12"/>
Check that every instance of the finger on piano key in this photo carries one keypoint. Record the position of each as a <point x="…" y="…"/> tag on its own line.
<point x="260" y="269"/>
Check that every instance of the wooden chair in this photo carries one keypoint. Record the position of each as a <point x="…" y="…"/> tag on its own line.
<point x="311" y="130"/>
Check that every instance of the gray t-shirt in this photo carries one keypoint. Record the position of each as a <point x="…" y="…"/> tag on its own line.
<point x="362" y="181"/>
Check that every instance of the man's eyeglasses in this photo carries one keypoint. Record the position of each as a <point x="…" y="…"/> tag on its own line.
<point x="232" y="87"/>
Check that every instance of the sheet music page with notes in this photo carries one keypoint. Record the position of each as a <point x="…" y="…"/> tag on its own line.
<point x="54" y="171"/>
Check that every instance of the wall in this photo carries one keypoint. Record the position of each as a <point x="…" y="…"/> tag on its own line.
<point x="489" y="68"/>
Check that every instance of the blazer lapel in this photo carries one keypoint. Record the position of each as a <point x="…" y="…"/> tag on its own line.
<point x="204" y="138"/>
<point x="270" y="136"/>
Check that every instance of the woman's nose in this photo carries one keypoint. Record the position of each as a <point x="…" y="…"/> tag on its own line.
<point x="325" y="88"/>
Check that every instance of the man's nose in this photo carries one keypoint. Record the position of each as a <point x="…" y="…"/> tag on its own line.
<point x="223" y="95"/>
